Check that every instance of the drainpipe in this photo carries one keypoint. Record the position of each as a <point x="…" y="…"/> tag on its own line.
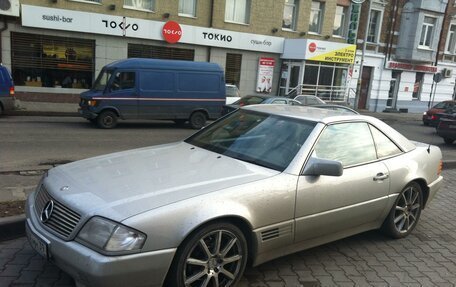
<point x="392" y="28"/>
<point x="431" y="96"/>
<point x="4" y="28"/>
<point x="211" y="22"/>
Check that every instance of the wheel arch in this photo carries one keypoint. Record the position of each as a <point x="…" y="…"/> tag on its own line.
<point x="204" y="111"/>
<point x="424" y="188"/>
<point x="236" y="220"/>
<point x="112" y="109"/>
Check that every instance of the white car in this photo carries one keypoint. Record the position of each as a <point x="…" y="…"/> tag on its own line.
<point x="260" y="183"/>
<point x="232" y="94"/>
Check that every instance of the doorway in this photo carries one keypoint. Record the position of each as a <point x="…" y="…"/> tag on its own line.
<point x="366" y="80"/>
<point x="394" y="87"/>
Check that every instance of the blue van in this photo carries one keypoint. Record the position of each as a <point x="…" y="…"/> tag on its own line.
<point x="155" y="89"/>
<point x="6" y="90"/>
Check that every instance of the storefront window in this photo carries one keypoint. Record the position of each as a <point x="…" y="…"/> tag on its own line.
<point x="325" y="80"/>
<point x="47" y="61"/>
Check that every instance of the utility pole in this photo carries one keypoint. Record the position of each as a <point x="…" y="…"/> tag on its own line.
<point x="363" y="51"/>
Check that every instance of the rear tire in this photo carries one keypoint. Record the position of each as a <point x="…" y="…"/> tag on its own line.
<point x="197" y="120"/>
<point x="448" y="140"/>
<point x="405" y="213"/>
<point x="107" y="120"/>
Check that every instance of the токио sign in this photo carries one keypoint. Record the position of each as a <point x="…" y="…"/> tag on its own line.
<point x="39" y="17"/>
<point x="172" y="32"/>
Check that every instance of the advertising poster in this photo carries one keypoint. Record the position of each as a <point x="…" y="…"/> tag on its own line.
<point x="265" y="73"/>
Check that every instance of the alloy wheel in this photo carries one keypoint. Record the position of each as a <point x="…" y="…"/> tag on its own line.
<point x="215" y="260"/>
<point x="407" y="210"/>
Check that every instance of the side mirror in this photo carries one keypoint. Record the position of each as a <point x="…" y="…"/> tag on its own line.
<point x="318" y="166"/>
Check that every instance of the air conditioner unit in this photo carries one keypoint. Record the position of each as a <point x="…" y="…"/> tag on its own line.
<point x="9" y="7"/>
<point x="447" y="73"/>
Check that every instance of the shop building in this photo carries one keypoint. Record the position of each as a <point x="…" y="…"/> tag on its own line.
<point x="56" y="48"/>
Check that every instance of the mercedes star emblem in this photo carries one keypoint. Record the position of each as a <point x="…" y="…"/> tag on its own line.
<point x="47" y="211"/>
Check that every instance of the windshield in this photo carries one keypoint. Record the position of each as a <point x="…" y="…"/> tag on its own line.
<point x="268" y="140"/>
<point x="102" y="80"/>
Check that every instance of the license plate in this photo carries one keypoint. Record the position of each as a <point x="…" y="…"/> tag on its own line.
<point x="37" y="243"/>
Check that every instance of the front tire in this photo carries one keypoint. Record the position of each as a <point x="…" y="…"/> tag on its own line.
<point x="214" y="255"/>
<point x="107" y="120"/>
<point x="405" y="213"/>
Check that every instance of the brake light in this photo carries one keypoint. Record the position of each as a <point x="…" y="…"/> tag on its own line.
<point x="11" y="91"/>
<point x="433" y="117"/>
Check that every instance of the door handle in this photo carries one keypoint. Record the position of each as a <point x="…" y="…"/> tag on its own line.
<point x="381" y="176"/>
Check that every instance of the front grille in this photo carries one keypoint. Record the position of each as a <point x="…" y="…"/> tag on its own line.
<point x="62" y="220"/>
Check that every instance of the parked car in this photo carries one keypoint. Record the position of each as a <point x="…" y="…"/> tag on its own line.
<point x="260" y="183"/>
<point x="258" y="99"/>
<point x="447" y="127"/>
<point x="430" y="118"/>
<point x="339" y="108"/>
<point x="6" y="90"/>
<point x="155" y="89"/>
<point x="232" y="94"/>
<point x="308" y="100"/>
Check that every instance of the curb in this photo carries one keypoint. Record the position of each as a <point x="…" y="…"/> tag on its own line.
<point x="449" y="164"/>
<point x="12" y="227"/>
<point x="42" y="113"/>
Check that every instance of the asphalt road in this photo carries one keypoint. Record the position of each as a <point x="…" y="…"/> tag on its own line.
<point x="27" y="143"/>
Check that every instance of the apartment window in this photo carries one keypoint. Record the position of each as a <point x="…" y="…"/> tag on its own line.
<point x="187" y="8"/>
<point x="237" y="11"/>
<point x="316" y="17"/>
<point x="340" y="25"/>
<point x="427" y="31"/>
<point x="450" y="42"/>
<point x="290" y="14"/>
<point x="374" y="26"/>
<point x="148" y="5"/>
<point x="233" y="69"/>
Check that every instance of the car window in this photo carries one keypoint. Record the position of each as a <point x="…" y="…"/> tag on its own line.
<point x="349" y="143"/>
<point x="385" y="147"/>
<point x="282" y="102"/>
<point x="250" y="101"/>
<point x="441" y="105"/>
<point x="123" y="81"/>
<point x="266" y="140"/>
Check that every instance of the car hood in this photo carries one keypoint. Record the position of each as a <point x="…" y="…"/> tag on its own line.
<point x="124" y="184"/>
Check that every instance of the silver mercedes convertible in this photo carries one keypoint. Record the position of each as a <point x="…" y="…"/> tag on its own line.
<point x="262" y="182"/>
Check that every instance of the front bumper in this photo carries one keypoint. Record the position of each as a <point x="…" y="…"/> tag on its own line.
<point x="87" y="114"/>
<point x="91" y="268"/>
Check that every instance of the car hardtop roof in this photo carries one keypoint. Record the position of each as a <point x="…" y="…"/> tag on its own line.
<point x="142" y="63"/>
<point x="304" y="112"/>
<point x="327" y="116"/>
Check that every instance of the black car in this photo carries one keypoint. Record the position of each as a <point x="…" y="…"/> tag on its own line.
<point x="447" y="127"/>
<point x="258" y="99"/>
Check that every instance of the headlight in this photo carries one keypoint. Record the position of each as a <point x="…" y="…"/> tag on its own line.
<point x="109" y="236"/>
<point x="425" y="113"/>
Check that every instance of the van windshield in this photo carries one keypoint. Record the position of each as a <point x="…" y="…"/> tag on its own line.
<point x="102" y="80"/>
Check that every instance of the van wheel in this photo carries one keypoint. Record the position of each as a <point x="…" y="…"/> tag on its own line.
<point x="107" y="120"/>
<point x="197" y="120"/>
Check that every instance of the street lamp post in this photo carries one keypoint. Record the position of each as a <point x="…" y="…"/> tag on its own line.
<point x="361" y="65"/>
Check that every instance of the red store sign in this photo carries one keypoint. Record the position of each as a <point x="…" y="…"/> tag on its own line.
<point x="172" y="32"/>
<point x="411" y="67"/>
